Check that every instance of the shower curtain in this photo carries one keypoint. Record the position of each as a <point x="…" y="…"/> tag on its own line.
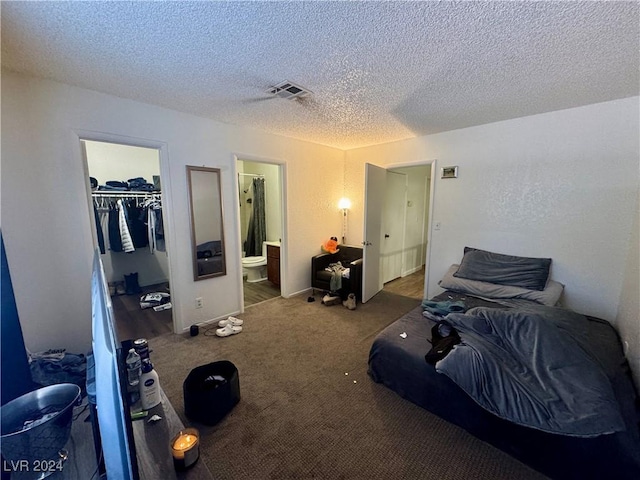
<point x="257" y="231"/>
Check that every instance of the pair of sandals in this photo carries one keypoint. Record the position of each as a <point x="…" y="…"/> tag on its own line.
<point x="230" y="326"/>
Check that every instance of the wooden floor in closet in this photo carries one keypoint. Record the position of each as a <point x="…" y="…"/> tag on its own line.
<point x="133" y="322"/>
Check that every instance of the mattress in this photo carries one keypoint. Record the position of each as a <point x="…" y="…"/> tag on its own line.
<point x="397" y="361"/>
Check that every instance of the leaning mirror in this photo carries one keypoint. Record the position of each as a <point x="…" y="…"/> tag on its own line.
<point x="207" y="237"/>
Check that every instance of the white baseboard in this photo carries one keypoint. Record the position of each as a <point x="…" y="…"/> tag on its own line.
<point x="413" y="270"/>
<point x="300" y="292"/>
<point x="212" y="320"/>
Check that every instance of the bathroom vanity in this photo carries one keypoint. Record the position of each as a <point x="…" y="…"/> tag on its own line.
<point x="273" y="262"/>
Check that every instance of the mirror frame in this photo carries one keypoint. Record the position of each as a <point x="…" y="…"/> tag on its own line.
<point x="194" y="245"/>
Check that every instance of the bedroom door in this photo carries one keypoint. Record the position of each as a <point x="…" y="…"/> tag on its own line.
<point x="375" y="182"/>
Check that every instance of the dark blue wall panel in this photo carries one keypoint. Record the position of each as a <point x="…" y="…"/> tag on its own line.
<point x="16" y="376"/>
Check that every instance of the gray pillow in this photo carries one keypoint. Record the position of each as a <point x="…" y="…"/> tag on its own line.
<point x="549" y="296"/>
<point x="524" y="272"/>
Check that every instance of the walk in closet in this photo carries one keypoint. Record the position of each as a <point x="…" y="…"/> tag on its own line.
<point x="126" y="195"/>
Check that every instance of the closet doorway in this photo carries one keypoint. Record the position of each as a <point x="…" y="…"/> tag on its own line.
<point x="260" y="220"/>
<point x="404" y="221"/>
<point x="126" y="197"/>
<point x="397" y="224"/>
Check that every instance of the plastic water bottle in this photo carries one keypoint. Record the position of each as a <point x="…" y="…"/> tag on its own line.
<point x="134" y="365"/>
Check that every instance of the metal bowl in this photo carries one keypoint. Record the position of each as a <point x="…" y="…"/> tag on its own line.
<point x="36" y="426"/>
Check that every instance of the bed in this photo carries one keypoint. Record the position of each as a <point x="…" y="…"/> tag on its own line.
<point x="209" y="258"/>
<point x="601" y="440"/>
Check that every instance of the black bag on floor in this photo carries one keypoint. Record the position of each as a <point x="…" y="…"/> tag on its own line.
<point x="211" y="391"/>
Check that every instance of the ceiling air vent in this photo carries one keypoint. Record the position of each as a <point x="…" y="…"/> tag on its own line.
<point x="289" y="90"/>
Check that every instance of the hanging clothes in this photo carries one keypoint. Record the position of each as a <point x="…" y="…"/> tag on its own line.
<point x="151" y="229"/>
<point x="159" y="233"/>
<point x="115" y="240"/>
<point x="129" y="223"/>
<point x="99" y="229"/>
<point x="125" y="235"/>
<point x="152" y="218"/>
<point x="101" y="209"/>
<point x="137" y="227"/>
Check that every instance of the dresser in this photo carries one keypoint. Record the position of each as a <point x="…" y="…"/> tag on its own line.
<point x="152" y="443"/>
<point x="273" y="264"/>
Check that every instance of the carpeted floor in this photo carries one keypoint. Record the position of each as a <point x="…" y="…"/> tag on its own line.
<point x="308" y="407"/>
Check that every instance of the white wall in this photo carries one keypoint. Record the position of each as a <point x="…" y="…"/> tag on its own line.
<point x="628" y="319"/>
<point x="46" y="219"/>
<point x="559" y="185"/>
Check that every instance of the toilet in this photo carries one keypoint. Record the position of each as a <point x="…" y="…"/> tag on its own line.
<point x="255" y="267"/>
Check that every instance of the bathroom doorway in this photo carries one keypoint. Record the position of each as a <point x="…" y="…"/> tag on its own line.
<point x="260" y="220"/>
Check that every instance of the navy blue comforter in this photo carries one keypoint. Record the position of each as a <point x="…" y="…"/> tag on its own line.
<point x="534" y="366"/>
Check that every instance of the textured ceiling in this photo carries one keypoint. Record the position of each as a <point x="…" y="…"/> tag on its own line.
<point x="380" y="71"/>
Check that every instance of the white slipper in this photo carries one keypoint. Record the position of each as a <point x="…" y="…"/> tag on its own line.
<point x="236" y="322"/>
<point x="228" y="330"/>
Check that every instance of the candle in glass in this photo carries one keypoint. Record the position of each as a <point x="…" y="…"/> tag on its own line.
<point x="185" y="448"/>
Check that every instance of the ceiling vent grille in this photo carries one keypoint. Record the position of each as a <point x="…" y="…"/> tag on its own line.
<point x="289" y="90"/>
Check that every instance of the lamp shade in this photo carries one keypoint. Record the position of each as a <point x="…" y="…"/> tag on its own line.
<point x="344" y="203"/>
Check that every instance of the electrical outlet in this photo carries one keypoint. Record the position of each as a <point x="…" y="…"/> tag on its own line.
<point x="199" y="302"/>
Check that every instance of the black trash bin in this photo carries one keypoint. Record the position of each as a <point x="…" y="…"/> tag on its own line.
<point x="211" y="391"/>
